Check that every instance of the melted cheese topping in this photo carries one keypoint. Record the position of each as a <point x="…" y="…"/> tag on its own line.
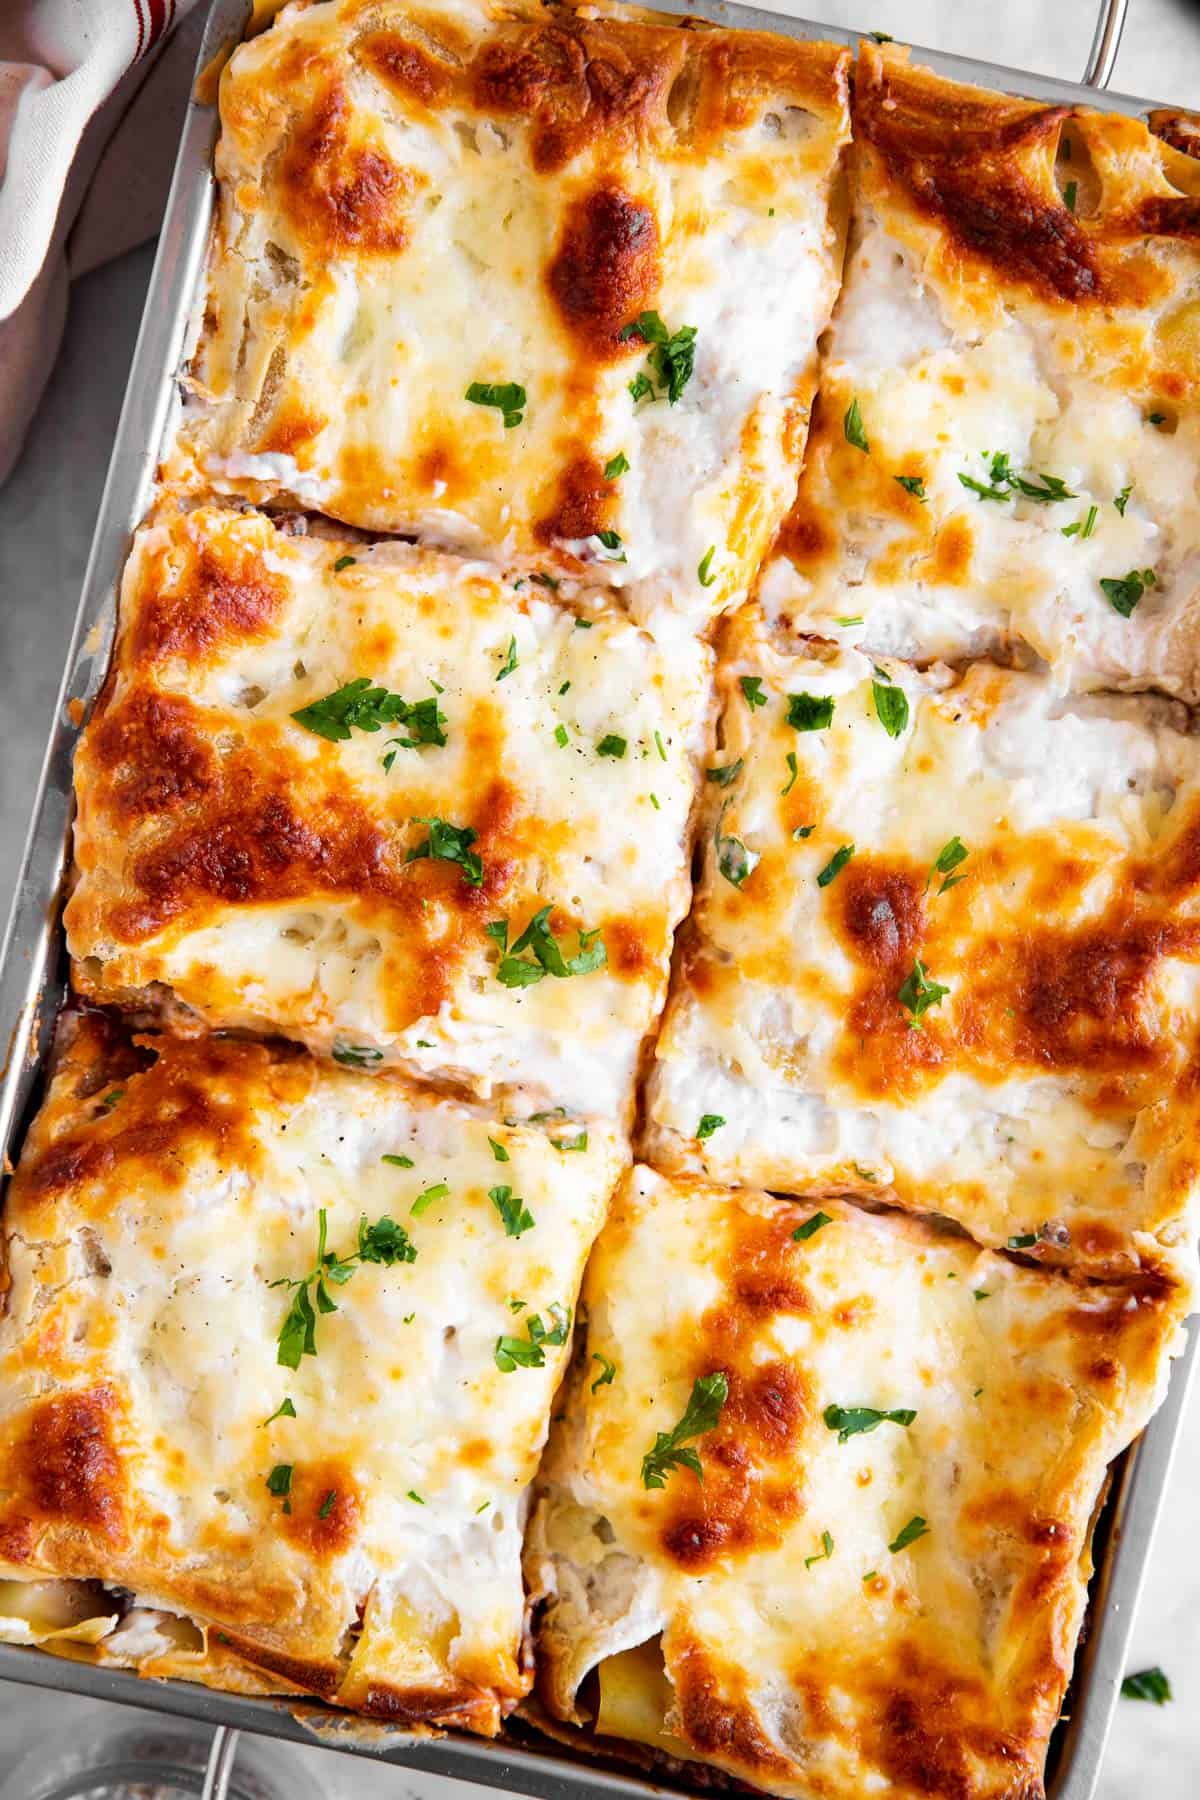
<point x="836" y="1665"/>
<point x="983" y="314"/>
<point x="414" y="200"/>
<point x="1049" y="1094"/>
<point x="262" y="872"/>
<point x="153" y="1212"/>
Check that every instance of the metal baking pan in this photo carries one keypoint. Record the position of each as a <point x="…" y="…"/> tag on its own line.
<point x="33" y="975"/>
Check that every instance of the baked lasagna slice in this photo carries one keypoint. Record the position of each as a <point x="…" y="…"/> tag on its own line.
<point x="819" y="1508"/>
<point x="946" y="942"/>
<point x="541" y="282"/>
<point x="388" y="803"/>
<point x="1008" y="442"/>
<point x="278" y="1354"/>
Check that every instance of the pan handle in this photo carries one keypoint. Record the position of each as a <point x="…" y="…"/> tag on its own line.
<point x="219" y="1772"/>
<point x="1105" y="44"/>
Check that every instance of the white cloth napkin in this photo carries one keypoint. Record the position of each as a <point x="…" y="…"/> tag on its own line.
<point x="87" y="145"/>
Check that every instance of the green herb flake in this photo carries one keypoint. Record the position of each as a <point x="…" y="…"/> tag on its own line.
<point x="671" y="357"/>
<point x="561" y="737"/>
<point x="810" y="712"/>
<point x="752" y="694"/>
<point x="426" y="1198"/>
<point x="513" y="1211"/>
<point x="919" y="993"/>
<point x="982" y="1293"/>
<point x="852" y="426"/>
<point x="654" y="803"/>
<point x="811" y="1227"/>
<point x="611" y="541"/>
<point x="891" y="705"/>
<point x="356" y="1056"/>
<point x="950" y="857"/>
<point x="452" y="844"/>
<point x="1124" y="592"/>
<point x="328" y="1504"/>
<point x="835" y="865"/>
<point x="516" y="969"/>
<point x="398" y="1162"/>
<point x="914" y="485"/>
<point x="113" y="1098"/>
<point x="279" y="1481"/>
<point x="908" y="1534"/>
<point x="510" y="660"/>
<point x="1156" y="418"/>
<point x="1070" y="195"/>
<point x="823" y="1554"/>
<point x="724" y="773"/>
<point x="361" y="706"/>
<point x="802" y="831"/>
<point x="344" y="562"/>
<point x="846" y="624"/>
<point x="507" y="396"/>
<point x="709" y="1123"/>
<point x="413" y="1495"/>
<point x="705" y="578"/>
<point x="793" y="772"/>
<point x="1121" y="500"/>
<point x="701" y="1415"/>
<point x="384" y="1242"/>
<point x="612" y="745"/>
<point x="1147" y="1684"/>
<point x="607" y="1373"/>
<point x="660" y="746"/>
<point x="1023" y="1240"/>
<point x="285" y="1410"/>
<point x="616" y="465"/>
<point x="529" y="1352"/>
<point x="735" y="861"/>
<point x="498" y="1151"/>
<point x="853" y="1421"/>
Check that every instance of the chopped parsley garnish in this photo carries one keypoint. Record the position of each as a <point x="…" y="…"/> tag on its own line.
<point x="852" y="426"/>
<point x="529" y="1352"/>
<point x="802" y="831"/>
<point x="705" y="578"/>
<point x="846" y="623"/>
<point x="1070" y="194"/>
<point x="607" y="1371"/>
<point x="671" y="356"/>
<point x="412" y="1494"/>
<point x="810" y="1227"/>
<point x="398" y="1162"/>
<point x="426" y="1198"/>
<point x="835" y="865"/>
<point x="612" y="543"/>
<point x="517" y="970"/>
<point x="982" y="1293"/>
<point x="1147" y="1684"/>
<point x="1083" y="528"/>
<point x="1005" y="483"/>
<point x="852" y="1421"/>
<point x="891" y="704"/>
<point x="507" y="396"/>
<point x="919" y="993"/>
<point x="113" y="1098"/>
<point x="356" y="1056"/>
<point x="983" y="490"/>
<point x="285" y="1410"/>
<point x="1121" y="500"/>
<point x="810" y="712"/>
<point x="328" y="1504"/>
<point x="1156" y="418"/>
<point x="343" y="562"/>
<point x="950" y="857"/>
<point x="384" y="1242"/>
<point x="752" y="694"/>
<point x="1024" y="1240"/>
<point x="452" y="844"/>
<point x="908" y="1534"/>
<point x="725" y="772"/>
<point x="1124" y="592"/>
<point x="612" y="745"/>
<point x="561" y="736"/>
<point x="654" y="803"/>
<point x="360" y="706"/>
<point x="912" y="484"/>
<point x="510" y="660"/>
<point x="702" y="1414"/>
<point x="548" y="581"/>
<point x="881" y="37"/>
<point x="512" y="1209"/>
<point x="616" y="465"/>
<point x="498" y="1151"/>
<point x="660" y="746"/>
<point x="279" y="1481"/>
<point x="823" y="1554"/>
<point x="793" y="769"/>
<point x="709" y="1123"/>
<point x="735" y="861"/>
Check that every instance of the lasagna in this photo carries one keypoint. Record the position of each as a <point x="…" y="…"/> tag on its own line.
<point x="946" y="943"/>
<point x="279" y="1350"/>
<point x="819" y="1508"/>
<point x="1008" y="441"/>
<point x="537" y="282"/>
<point x="387" y="803"/>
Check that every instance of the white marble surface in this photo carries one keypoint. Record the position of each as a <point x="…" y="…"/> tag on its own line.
<point x="46" y="515"/>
